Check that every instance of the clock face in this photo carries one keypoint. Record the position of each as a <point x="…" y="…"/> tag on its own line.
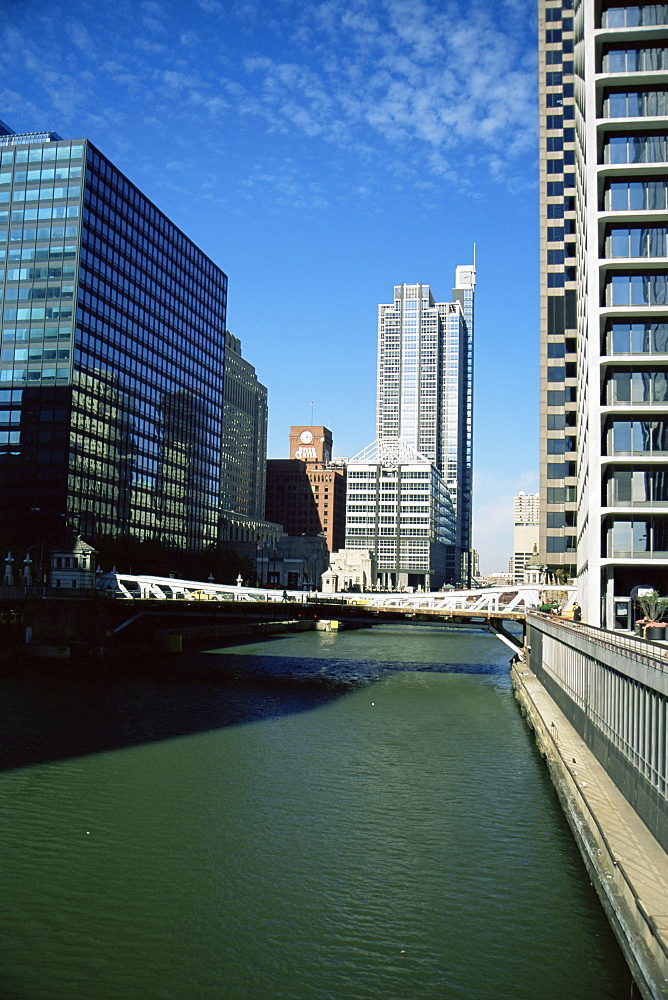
<point x="305" y="437"/>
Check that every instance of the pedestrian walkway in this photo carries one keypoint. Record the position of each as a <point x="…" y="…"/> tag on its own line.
<point x="632" y="866"/>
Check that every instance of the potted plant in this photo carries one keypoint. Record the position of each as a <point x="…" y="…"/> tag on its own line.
<point x="654" y="609"/>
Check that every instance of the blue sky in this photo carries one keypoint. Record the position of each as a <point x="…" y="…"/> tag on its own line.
<point x="321" y="153"/>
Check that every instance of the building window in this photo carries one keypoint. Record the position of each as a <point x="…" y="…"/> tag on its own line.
<point x="637" y="338"/>
<point x="636" y="149"/>
<point x="637" y="289"/>
<point x="636" y="242"/>
<point x="634" y="16"/>
<point x="636" y="104"/>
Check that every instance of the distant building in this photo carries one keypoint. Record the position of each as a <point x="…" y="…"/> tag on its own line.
<point x="243" y="453"/>
<point x="424" y="391"/>
<point x="525" y="533"/>
<point x="287" y="562"/>
<point x="306" y="493"/>
<point x="399" y="508"/>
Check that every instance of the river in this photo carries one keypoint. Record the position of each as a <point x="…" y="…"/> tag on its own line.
<point x="326" y="816"/>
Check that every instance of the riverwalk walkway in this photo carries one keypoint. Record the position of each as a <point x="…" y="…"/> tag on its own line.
<point x="628" y="867"/>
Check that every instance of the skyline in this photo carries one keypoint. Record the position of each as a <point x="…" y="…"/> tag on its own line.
<point x="321" y="157"/>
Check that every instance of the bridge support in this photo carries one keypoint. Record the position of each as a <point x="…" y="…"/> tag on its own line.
<point x="514" y="642"/>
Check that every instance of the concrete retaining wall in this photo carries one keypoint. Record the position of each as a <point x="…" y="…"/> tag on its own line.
<point x="641" y="936"/>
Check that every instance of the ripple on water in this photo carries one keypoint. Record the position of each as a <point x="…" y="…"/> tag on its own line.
<point x="395" y="838"/>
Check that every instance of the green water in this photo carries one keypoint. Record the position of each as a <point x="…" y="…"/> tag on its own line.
<point x="318" y="817"/>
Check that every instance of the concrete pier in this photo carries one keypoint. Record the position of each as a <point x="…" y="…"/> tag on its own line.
<point x="626" y="864"/>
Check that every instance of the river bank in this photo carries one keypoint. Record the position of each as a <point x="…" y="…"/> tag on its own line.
<point x="627" y="866"/>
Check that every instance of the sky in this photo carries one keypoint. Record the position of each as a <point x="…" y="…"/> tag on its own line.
<point x="321" y="153"/>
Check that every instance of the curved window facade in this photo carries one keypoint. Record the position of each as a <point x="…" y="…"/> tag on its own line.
<point x="636" y="196"/>
<point x="636" y="104"/>
<point x="635" y="16"/>
<point x="637" y="290"/>
<point x="635" y="149"/>
<point x="637" y="338"/>
<point x="642" y="538"/>
<point x="626" y="388"/>
<point x="635" y="60"/>
<point x="638" y="437"/>
<point x="636" y="487"/>
<point x="645" y="241"/>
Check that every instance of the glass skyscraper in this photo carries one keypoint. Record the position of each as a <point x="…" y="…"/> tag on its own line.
<point x="604" y="85"/>
<point x="424" y="389"/>
<point x="111" y="371"/>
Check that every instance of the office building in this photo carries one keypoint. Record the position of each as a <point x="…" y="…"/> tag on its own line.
<point x="424" y="391"/>
<point x="111" y="372"/>
<point x="526" y="521"/>
<point x="558" y="291"/>
<point x="398" y="508"/>
<point x="306" y="493"/>
<point x="610" y="384"/>
<point x="244" y="452"/>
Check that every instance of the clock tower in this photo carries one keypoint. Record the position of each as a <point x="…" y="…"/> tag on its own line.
<point x="311" y="444"/>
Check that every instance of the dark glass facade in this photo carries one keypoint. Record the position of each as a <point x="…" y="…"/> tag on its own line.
<point x="111" y="372"/>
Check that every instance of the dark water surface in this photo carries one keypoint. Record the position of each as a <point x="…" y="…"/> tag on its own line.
<point x="359" y="816"/>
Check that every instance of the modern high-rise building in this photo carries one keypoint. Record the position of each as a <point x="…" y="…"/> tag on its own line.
<point x="424" y="390"/>
<point x="604" y="140"/>
<point x="558" y="290"/>
<point x="399" y="509"/>
<point x="111" y="371"/>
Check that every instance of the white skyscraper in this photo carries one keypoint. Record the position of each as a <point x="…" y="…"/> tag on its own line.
<point x="604" y="394"/>
<point x="424" y="388"/>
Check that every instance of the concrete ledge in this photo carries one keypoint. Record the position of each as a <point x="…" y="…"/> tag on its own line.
<point x="627" y="866"/>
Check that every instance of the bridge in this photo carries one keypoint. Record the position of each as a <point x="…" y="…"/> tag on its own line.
<point x="482" y="608"/>
<point x="509" y="601"/>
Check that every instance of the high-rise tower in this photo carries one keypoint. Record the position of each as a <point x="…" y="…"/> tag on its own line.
<point x="111" y="373"/>
<point x="424" y="388"/>
<point x="605" y="346"/>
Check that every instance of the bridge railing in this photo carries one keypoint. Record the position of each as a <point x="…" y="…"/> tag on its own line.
<point x="643" y="650"/>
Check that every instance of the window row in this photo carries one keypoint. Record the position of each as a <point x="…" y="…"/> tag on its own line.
<point x="636" y="242"/>
<point x="637" y="338"/>
<point x="38" y="253"/>
<point x="637" y="387"/>
<point x="39" y="214"/>
<point x="628" y="487"/>
<point x="41" y="154"/>
<point x="31" y="293"/>
<point x="636" y="149"/>
<point x="41" y="194"/>
<point x="637" y="290"/>
<point x="635" y="16"/>
<point x="64" y="173"/>
<point x="637" y="538"/>
<point x="635" y="60"/>
<point x="36" y="333"/>
<point x="636" y="104"/>
<point x="637" y="196"/>
<point x="42" y="233"/>
<point x="636" y="437"/>
<point x="33" y="375"/>
<point x="33" y="354"/>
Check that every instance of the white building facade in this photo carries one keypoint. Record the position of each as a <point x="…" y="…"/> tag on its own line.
<point x="526" y="509"/>
<point x="619" y="58"/>
<point x="398" y="507"/>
